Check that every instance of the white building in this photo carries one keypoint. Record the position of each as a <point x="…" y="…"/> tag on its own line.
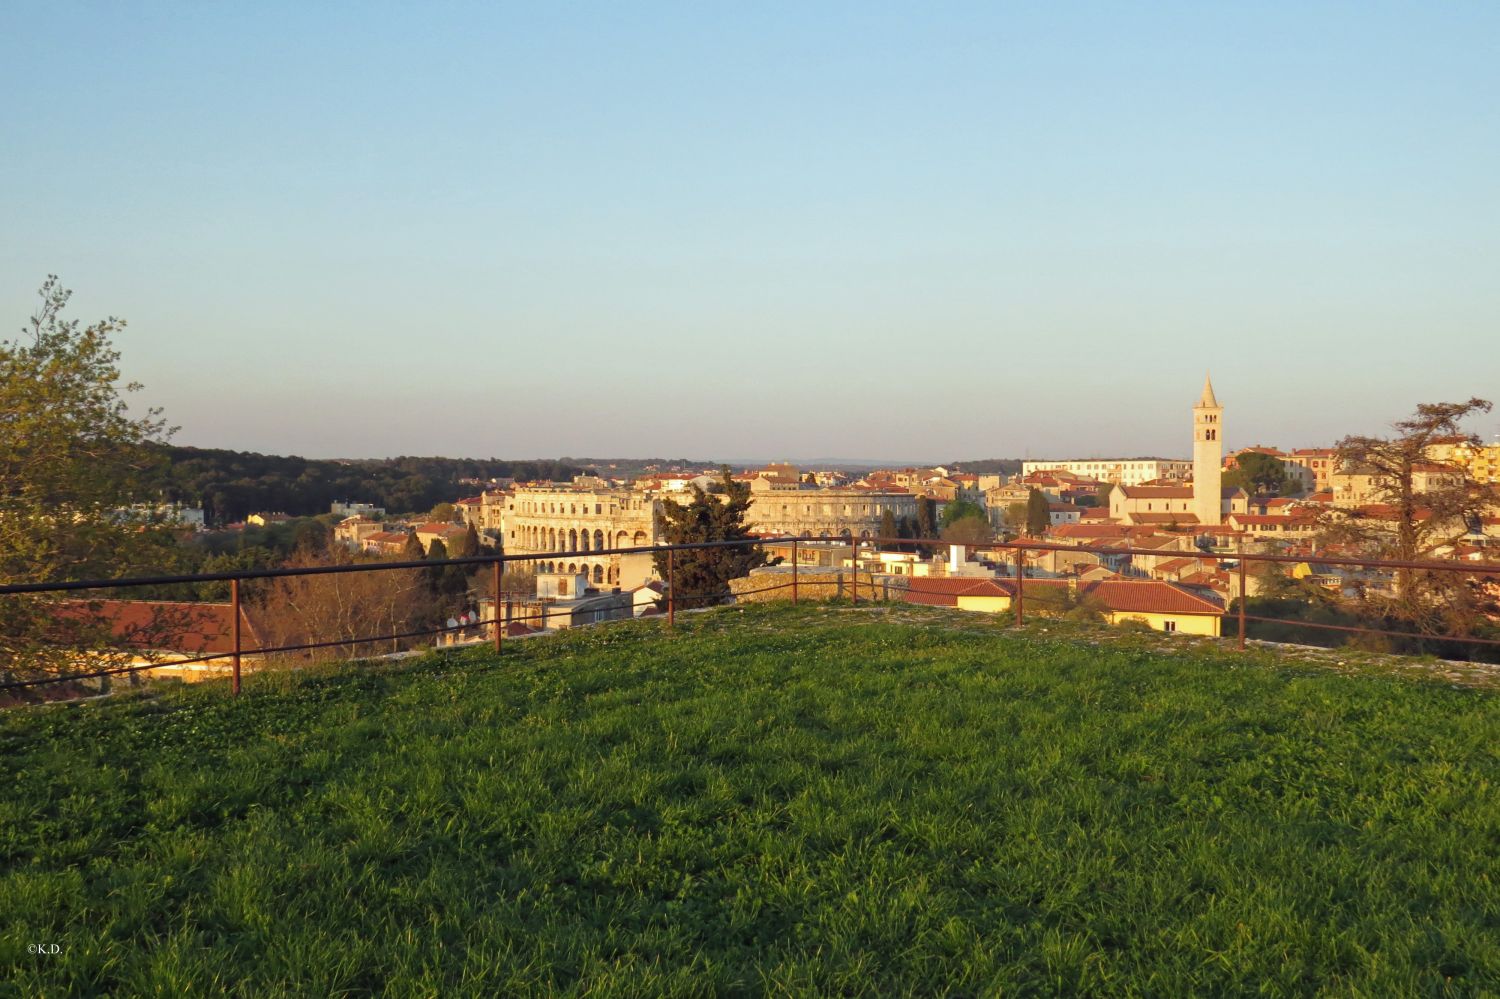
<point x="1120" y="471"/>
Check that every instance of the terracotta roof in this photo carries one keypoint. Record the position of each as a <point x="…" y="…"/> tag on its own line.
<point x="1149" y="596"/>
<point x="387" y="537"/>
<point x="1099" y="531"/>
<point x="1157" y="492"/>
<point x="939" y="591"/>
<point x="1165" y="519"/>
<point x="435" y="528"/>
<point x="194" y="629"/>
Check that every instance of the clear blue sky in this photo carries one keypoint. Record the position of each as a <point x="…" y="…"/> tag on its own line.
<point x="920" y="231"/>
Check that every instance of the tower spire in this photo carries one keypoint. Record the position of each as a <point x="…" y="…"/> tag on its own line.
<point x="1208" y="401"/>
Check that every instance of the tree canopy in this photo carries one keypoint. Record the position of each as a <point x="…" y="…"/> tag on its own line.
<point x="1038" y="513"/>
<point x="75" y="465"/>
<point x="702" y="576"/>
<point x="1259" y="474"/>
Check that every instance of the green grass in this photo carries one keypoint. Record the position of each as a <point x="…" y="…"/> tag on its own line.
<point x="814" y="800"/>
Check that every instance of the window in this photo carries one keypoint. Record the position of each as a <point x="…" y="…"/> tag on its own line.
<point x="1169" y="626"/>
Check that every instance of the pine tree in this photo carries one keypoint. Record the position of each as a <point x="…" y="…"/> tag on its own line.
<point x="702" y="576"/>
<point x="888" y="528"/>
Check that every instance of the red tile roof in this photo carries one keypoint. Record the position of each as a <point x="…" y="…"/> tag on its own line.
<point x="1156" y="492"/>
<point x="1149" y="596"/>
<point x="191" y="629"/>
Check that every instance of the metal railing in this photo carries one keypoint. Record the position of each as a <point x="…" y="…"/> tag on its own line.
<point x="1019" y="550"/>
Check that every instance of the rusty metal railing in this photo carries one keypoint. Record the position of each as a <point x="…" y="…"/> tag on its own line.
<point x="1019" y="550"/>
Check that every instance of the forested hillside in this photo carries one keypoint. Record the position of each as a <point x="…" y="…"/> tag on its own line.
<point x="231" y="484"/>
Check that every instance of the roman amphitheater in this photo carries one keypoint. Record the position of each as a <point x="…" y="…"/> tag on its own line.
<point x="582" y="521"/>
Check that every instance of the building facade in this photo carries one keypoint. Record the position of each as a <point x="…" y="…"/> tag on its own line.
<point x="577" y="522"/>
<point x="852" y="511"/>
<point x="1120" y="471"/>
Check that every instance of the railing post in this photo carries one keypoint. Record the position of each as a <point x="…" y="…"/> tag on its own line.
<point x="500" y="626"/>
<point x="854" y="565"/>
<point x="1020" y="586"/>
<point x="234" y="599"/>
<point x="671" y="588"/>
<point x="1244" y="597"/>
<point x="794" y="571"/>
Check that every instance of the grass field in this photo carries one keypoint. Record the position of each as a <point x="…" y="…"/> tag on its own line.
<point x="807" y="800"/>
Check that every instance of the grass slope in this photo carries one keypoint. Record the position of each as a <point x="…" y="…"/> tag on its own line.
<point x="789" y="800"/>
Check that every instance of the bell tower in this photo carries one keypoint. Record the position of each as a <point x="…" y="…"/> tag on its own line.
<point x="1208" y="456"/>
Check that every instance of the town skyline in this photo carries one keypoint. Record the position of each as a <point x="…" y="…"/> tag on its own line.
<point x="837" y="231"/>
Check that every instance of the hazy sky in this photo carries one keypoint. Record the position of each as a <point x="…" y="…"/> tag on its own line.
<point x="920" y="231"/>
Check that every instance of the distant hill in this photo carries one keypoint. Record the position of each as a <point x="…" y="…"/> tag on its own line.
<point x="232" y="484"/>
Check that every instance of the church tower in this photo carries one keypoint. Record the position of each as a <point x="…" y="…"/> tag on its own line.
<point x="1208" y="456"/>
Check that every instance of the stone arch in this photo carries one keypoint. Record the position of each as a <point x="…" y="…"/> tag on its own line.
<point x="599" y="573"/>
<point x="598" y="541"/>
<point x="573" y="567"/>
<point x="583" y="540"/>
<point x="639" y="539"/>
<point x="572" y="540"/>
<point x="622" y="540"/>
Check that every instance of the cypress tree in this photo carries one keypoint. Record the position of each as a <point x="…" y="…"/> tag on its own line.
<point x="1038" y="513"/>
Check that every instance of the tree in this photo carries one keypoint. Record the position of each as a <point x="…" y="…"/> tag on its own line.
<point x="1038" y="513"/>
<point x="74" y="462"/>
<point x="1259" y="474"/>
<point x="888" y="526"/>
<point x="926" y="517"/>
<point x="1015" y="516"/>
<point x="1424" y="503"/>
<point x="346" y="607"/>
<point x="413" y="551"/>
<point x="448" y="581"/>
<point x="1102" y="494"/>
<point x="959" y="510"/>
<point x="468" y="545"/>
<point x="444" y="513"/>
<point x="702" y="576"/>
<point x="972" y="529"/>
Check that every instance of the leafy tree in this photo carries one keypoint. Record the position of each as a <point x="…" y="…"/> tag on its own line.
<point x="1259" y="475"/>
<point x="702" y="575"/>
<point x="444" y="513"/>
<point x="1038" y="513"/>
<point x="888" y="526"/>
<point x="1015" y="516"/>
<point x="971" y="529"/>
<point x="72" y="457"/>
<point x="959" y="510"/>
<point x="1102" y="494"/>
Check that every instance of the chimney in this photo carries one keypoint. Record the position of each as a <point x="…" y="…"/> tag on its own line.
<point x="955" y="558"/>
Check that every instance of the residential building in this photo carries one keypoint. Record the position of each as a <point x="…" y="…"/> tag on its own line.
<point x="1120" y="471"/>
